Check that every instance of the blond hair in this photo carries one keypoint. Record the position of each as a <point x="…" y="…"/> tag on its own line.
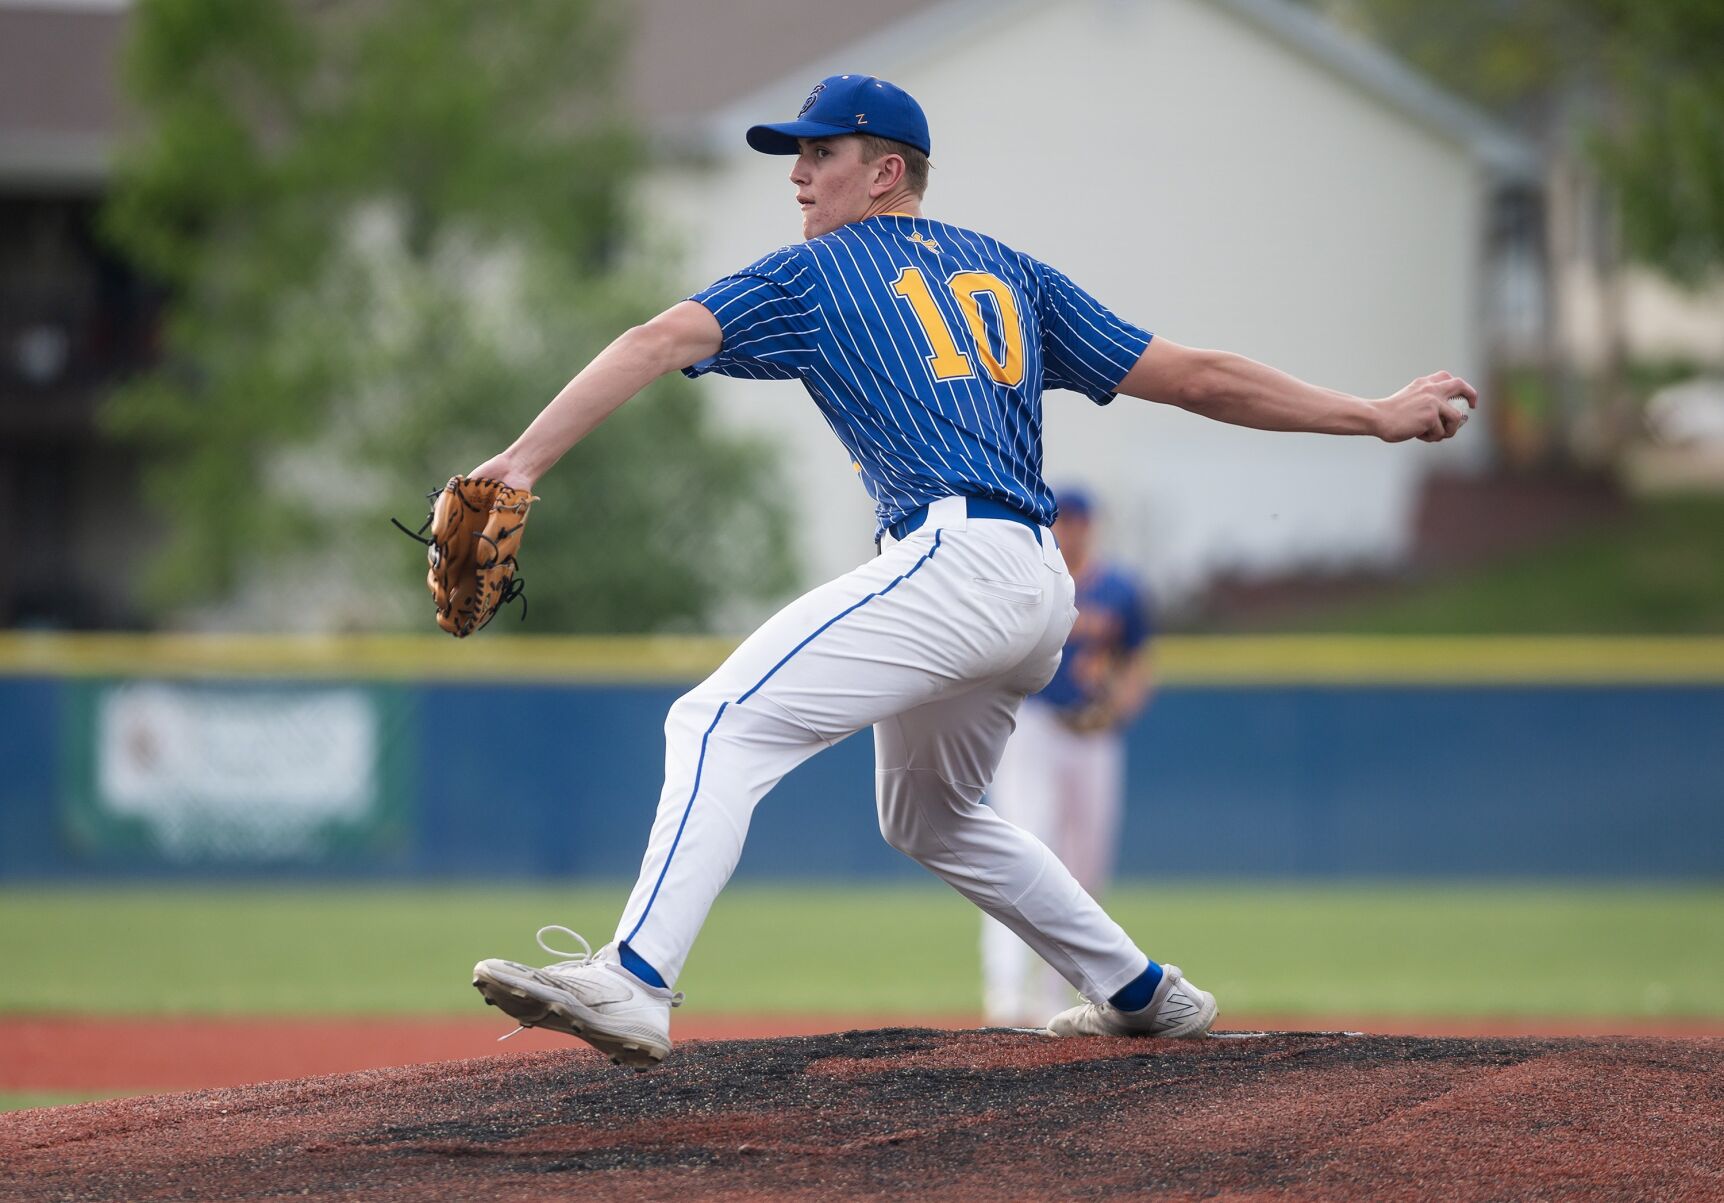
<point x="915" y="162"/>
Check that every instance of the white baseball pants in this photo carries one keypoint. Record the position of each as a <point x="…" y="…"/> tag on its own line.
<point x="934" y="643"/>
<point x="1065" y="788"/>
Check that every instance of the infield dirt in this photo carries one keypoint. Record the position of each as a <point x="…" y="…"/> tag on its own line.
<point x="118" y="1055"/>
<point x="914" y="1113"/>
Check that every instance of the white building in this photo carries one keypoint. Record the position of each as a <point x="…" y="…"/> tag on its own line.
<point x="1230" y="173"/>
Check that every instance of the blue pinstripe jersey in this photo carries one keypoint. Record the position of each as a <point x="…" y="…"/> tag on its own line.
<point x="926" y="347"/>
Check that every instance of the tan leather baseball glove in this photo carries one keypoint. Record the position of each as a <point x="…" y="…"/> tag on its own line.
<point x="471" y="537"/>
<point x="1088" y="720"/>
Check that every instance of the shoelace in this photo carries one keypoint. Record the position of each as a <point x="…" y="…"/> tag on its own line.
<point x="572" y="960"/>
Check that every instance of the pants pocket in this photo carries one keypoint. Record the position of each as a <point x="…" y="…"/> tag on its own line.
<point x="1023" y="595"/>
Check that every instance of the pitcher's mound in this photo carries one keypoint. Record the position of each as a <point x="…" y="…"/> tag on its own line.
<point x="919" y="1114"/>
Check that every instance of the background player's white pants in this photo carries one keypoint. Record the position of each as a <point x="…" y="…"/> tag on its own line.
<point x="934" y="643"/>
<point x="1065" y="788"/>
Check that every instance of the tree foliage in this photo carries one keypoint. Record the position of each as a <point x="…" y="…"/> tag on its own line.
<point x="392" y="230"/>
<point x="1664" y="151"/>
<point x="1645" y="76"/>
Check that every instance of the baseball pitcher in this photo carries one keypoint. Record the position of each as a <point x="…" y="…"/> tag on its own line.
<point x="927" y="348"/>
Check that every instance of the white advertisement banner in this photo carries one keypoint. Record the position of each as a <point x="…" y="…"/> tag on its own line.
<point x="233" y="770"/>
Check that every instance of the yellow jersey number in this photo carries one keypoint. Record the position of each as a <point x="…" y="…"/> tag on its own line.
<point x="948" y="362"/>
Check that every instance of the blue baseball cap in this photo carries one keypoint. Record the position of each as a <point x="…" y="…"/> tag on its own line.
<point x="847" y="104"/>
<point x="1074" y="502"/>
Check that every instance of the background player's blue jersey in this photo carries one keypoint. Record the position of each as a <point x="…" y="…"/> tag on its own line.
<point x="927" y="348"/>
<point x="1114" y="622"/>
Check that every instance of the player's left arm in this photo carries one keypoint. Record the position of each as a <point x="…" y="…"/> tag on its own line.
<point x="1133" y="685"/>
<point x="682" y="335"/>
<point x="1232" y="388"/>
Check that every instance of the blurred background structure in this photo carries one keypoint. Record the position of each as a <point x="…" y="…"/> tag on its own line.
<point x="269" y="269"/>
<point x="397" y="264"/>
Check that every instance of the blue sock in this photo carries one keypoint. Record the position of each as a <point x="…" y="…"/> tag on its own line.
<point x="1135" y="994"/>
<point x="634" y="964"/>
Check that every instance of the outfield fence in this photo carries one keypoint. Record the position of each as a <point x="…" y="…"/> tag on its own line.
<point x="405" y="757"/>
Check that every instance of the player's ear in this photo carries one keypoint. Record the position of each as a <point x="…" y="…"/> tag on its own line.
<point x="888" y="174"/>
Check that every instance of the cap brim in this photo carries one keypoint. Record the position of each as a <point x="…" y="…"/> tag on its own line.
<point x="780" y="139"/>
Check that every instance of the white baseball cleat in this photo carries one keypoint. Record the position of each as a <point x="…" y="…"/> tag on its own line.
<point x="589" y="995"/>
<point x="1177" y="1009"/>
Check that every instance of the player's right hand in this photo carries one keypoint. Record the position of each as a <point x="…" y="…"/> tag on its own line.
<point x="1431" y="408"/>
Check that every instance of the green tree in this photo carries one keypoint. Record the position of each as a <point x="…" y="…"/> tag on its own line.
<point x="1644" y="77"/>
<point x="392" y="230"/>
<point x="1664" y="147"/>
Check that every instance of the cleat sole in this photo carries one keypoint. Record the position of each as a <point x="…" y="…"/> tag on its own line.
<point x="532" y="1012"/>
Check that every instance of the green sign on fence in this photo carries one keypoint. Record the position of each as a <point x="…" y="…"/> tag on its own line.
<point x="227" y="773"/>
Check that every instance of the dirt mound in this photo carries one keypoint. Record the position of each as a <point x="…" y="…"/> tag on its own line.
<point x="918" y="1113"/>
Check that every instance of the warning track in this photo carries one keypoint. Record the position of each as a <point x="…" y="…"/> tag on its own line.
<point x="914" y="1113"/>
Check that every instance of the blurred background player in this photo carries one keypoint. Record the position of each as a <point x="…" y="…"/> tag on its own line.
<point x="1062" y="777"/>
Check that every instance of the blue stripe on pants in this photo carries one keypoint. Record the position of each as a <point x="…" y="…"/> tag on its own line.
<point x="700" y="764"/>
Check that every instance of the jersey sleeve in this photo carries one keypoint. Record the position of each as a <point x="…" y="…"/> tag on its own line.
<point x="766" y="319"/>
<point x="1085" y="346"/>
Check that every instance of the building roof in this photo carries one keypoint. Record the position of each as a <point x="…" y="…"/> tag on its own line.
<point x="60" y="102"/>
<point x="1391" y="80"/>
<point x="1377" y="73"/>
<point x="689" y="59"/>
<point x="694" y="69"/>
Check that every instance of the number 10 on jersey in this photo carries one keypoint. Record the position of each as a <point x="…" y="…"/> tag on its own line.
<point x="968" y="288"/>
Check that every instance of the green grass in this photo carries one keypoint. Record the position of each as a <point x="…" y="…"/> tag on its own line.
<point x="1658" y="570"/>
<point x="19" y="1100"/>
<point x="1427" y="951"/>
